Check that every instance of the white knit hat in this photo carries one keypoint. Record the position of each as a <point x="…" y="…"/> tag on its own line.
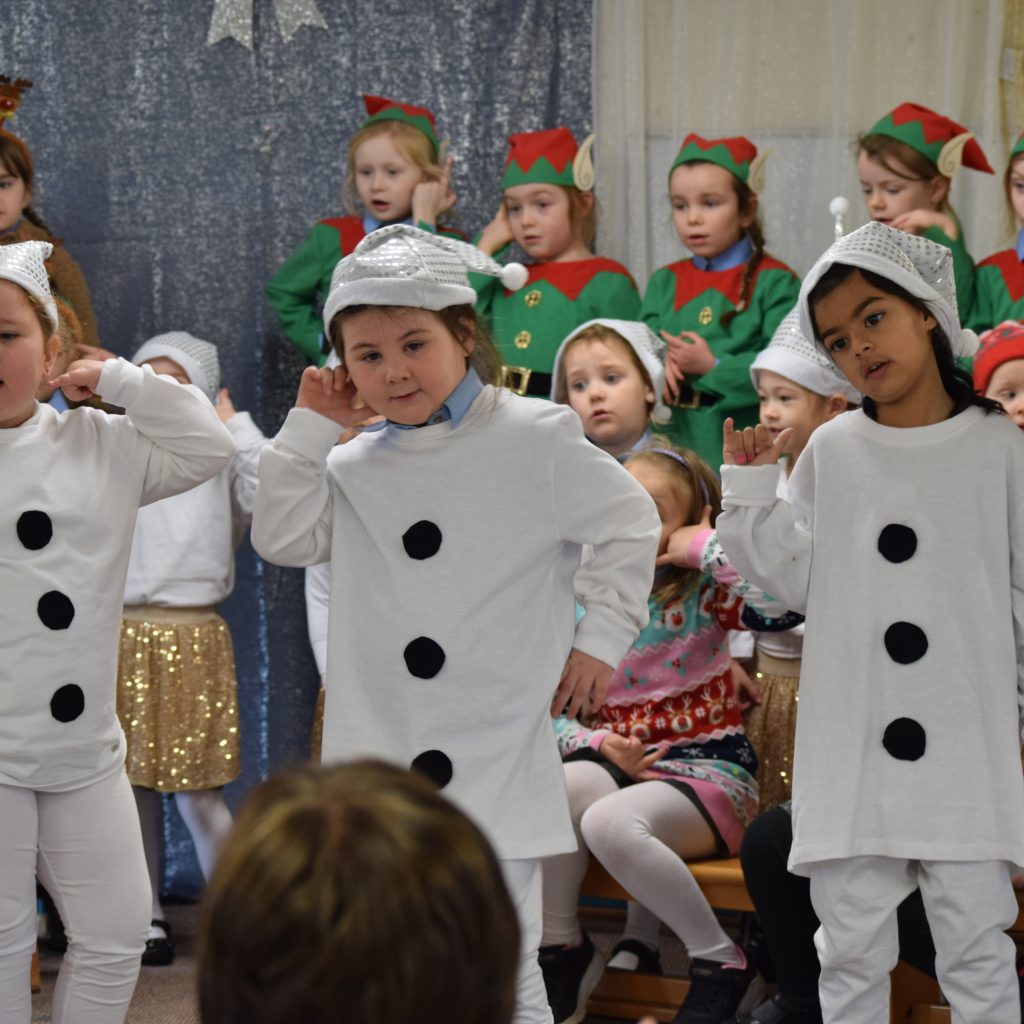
<point x="196" y="357"/>
<point x="405" y="266"/>
<point x="922" y="268"/>
<point x="22" y="263"/>
<point x="793" y="356"/>
<point x="649" y="348"/>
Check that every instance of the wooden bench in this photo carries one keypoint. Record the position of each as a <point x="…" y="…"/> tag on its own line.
<point x="915" y="997"/>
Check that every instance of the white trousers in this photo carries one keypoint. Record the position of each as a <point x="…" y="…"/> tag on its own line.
<point x="87" y="848"/>
<point x="523" y="878"/>
<point x="969" y="905"/>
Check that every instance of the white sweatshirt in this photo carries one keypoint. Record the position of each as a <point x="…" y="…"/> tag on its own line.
<point x="906" y="548"/>
<point x="455" y="566"/>
<point x="72" y="484"/>
<point x="183" y="550"/>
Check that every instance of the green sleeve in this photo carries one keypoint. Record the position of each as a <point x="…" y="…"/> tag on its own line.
<point x="614" y="297"/>
<point x="982" y="314"/>
<point x="963" y="268"/>
<point x="775" y="294"/>
<point x="658" y="298"/>
<point x="294" y="290"/>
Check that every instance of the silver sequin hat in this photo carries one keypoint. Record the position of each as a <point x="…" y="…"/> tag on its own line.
<point x="649" y="349"/>
<point x="22" y="263"/>
<point x="922" y="268"/>
<point x="791" y="354"/>
<point x="196" y="357"/>
<point x="405" y="266"/>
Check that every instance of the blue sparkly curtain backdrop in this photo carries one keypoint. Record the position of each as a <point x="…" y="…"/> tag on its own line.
<point x="180" y="173"/>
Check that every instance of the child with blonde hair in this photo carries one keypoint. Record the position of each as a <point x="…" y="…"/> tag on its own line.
<point x="548" y="209"/>
<point x="73" y="483"/>
<point x="396" y="173"/>
<point x="454" y="530"/>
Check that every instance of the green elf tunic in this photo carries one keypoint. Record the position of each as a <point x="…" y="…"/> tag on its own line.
<point x="682" y="297"/>
<point x="301" y="283"/>
<point x="998" y="289"/>
<point x="530" y="324"/>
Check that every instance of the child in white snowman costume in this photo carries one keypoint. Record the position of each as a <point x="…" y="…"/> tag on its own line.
<point x="904" y="541"/>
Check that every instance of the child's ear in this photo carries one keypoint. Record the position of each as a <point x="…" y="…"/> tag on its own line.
<point x="938" y="189"/>
<point x="834" y="405"/>
<point x="749" y="215"/>
<point x="51" y="350"/>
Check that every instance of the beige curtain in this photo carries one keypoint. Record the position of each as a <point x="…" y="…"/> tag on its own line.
<point x="802" y="78"/>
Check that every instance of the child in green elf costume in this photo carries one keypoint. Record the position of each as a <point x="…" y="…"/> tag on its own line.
<point x="906" y="164"/>
<point x="397" y="173"/>
<point x="719" y="308"/>
<point x="999" y="280"/>
<point x="548" y="210"/>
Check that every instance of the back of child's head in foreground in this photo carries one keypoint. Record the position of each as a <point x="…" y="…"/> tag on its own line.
<point x="682" y="485"/>
<point x="611" y="373"/>
<point x="356" y="893"/>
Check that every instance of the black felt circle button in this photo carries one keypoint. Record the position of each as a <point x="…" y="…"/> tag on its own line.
<point x="904" y="739"/>
<point x="423" y="657"/>
<point x="905" y="642"/>
<point x="897" y="543"/>
<point x="422" y="540"/>
<point x="436" y="765"/>
<point x="34" y="530"/>
<point x="67" y="703"/>
<point x="55" y="610"/>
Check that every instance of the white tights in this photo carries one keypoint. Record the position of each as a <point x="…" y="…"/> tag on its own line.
<point x="86" y="847"/>
<point x="641" y="834"/>
<point x="207" y="818"/>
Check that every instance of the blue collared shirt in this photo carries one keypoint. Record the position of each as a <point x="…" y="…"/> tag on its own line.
<point x="1020" y="245"/>
<point x="370" y="223"/>
<point x="736" y="254"/>
<point x="454" y="407"/>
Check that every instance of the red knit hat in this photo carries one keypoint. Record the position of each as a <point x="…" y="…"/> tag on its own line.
<point x="997" y="346"/>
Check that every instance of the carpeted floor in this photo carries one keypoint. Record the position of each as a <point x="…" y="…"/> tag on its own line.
<point x="166" y="995"/>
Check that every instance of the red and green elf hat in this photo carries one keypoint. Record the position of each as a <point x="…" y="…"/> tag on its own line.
<point x="549" y="157"/>
<point x="940" y="139"/>
<point x="1018" y="147"/>
<point x="738" y="155"/>
<point x="380" y="108"/>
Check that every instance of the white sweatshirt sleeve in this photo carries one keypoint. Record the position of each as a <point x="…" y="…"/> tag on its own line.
<point x="597" y="502"/>
<point x="318" y="601"/>
<point x="249" y="442"/>
<point x="291" y="520"/>
<point x="760" y="534"/>
<point x="173" y="430"/>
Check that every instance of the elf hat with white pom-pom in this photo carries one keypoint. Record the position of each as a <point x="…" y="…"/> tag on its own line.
<point x="649" y="349"/>
<point x="405" y="266"/>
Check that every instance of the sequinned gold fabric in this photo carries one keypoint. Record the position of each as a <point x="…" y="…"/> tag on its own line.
<point x="771" y="727"/>
<point x="177" y="698"/>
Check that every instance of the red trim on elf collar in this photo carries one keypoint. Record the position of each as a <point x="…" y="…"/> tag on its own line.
<point x="572" y="277"/>
<point x="350" y="231"/>
<point x="376" y="104"/>
<point x="1009" y="265"/>
<point x="557" y="144"/>
<point x="691" y="282"/>
<point x="741" y="149"/>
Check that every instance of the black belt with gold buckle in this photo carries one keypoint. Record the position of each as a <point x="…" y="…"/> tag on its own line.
<point x="521" y="380"/>
<point x="691" y="398"/>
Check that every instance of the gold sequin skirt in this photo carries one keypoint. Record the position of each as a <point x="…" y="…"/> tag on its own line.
<point x="317" y="744"/>
<point x="177" y="698"/>
<point x="771" y="726"/>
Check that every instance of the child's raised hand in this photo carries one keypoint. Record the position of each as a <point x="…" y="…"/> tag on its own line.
<point x="224" y="406"/>
<point x="748" y="693"/>
<point x="433" y="196"/>
<point x="497" y="234"/>
<point x="329" y="392"/>
<point x="752" y="446"/>
<point x="689" y="353"/>
<point x="80" y="380"/>
<point x="630" y="754"/>
<point x="916" y="221"/>
<point x="679" y="542"/>
<point x="584" y="680"/>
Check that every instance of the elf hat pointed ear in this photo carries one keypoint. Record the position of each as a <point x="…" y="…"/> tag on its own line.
<point x="583" y="174"/>
<point x="952" y="154"/>
<point x="756" y="173"/>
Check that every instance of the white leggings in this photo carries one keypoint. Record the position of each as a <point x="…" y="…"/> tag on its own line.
<point x="87" y="848"/>
<point x="640" y="834"/>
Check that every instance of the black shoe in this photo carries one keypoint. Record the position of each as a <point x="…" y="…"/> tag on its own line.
<point x="781" y="1009"/>
<point x="159" y="951"/>
<point x="717" y="992"/>
<point x="648" y="961"/>
<point x="570" y="974"/>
